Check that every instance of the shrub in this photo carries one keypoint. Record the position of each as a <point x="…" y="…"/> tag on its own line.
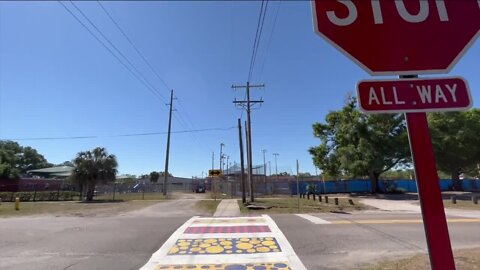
<point x="24" y="196"/>
<point x="6" y="196"/>
<point x="39" y="196"/>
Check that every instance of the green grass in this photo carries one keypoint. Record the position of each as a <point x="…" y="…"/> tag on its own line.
<point x="71" y="208"/>
<point x="462" y="205"/>
<point x="208" y="205"/>
<point x="132" y="196"/>
<point x="467" y="259"/>
<point x="290" y="205"/>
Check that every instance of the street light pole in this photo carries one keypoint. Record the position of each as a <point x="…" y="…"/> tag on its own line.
<point x="227" y="163"/>
<point x="221" y="155"/>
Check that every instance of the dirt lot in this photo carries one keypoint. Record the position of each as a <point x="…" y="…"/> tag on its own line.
<point x="294" y="205"/>
<point x="467" y="259"/>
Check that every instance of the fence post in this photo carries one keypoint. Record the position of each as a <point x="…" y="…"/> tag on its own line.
<point x="34" y="192"/>
<point x="454" y="200"/>
<point x="143" y="192"/>
<point x="58" y="192"/>
<point x="326" y="199"/>
<point x="336" y="201"/>
<point x="474" y="199"/>
<point x="11" y="198"/>
<point x="114" y="186"/>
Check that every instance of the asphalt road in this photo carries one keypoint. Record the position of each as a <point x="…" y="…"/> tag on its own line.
<point x="352" y="241"/>
<point x="127" y="241"/>
<point x="119" y="242"/>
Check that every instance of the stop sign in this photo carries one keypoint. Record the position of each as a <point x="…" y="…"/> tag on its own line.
<point x="402" y="36"/>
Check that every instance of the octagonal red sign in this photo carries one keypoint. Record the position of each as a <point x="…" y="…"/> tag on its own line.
<point x="387" y="37"/>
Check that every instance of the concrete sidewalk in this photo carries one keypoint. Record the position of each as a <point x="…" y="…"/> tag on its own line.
<point x="393" y="205"/>
<point x="409" y="206"/>
<point x="227" y="208"/>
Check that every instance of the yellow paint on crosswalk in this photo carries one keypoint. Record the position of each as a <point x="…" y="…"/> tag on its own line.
<point x="401" y="221"/>
<point x="228" y="266"/>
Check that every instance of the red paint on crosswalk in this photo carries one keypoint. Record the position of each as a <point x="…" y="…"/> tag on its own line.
<point x="227" y="229"/>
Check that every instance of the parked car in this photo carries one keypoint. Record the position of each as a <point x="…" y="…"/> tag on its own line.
<point x="200" y="189"/>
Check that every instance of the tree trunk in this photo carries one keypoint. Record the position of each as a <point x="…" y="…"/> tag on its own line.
<point x="81" y="192"/>
<point x="90" y="192"/>
<point x="374" y="178"/>
<point x="457" y="184"/>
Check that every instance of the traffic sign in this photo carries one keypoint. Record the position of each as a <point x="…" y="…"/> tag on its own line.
<point x="214" y="172"/>
<point x="413" y="95"/>
<point x="399" y="37"/>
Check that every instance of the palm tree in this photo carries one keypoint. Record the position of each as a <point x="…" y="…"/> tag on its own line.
<point x="94" y="167"/>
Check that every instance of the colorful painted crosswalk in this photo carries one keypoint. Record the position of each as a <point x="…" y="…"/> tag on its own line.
<point x="227" y="229"/>
<point x="229" y="266"/>
<point x="239" y="243"/>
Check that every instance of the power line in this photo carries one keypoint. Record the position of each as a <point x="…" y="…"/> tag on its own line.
<point x="133" y="45"/>
<point x="258" y="34"/>
<point x="184" y="121"/>
<point x="119" y="135"/>
<point x="256" y="43"/>
<point x="117" y="50"/>
<point x="145" y="83"/>
<point x="270" y="38"/>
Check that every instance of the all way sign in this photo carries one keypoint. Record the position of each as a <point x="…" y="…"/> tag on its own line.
<point x="414" y="95"/>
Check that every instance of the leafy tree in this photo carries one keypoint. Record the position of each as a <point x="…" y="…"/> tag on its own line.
<point x="66" y="163"/>
<point x="144" y="176"/>
<point x="30" y="159"/>
<point x="456" y="142"/>
<point x="281" y="174"/>
<point x="399" y="174"/>
<point x="354" y="144"/>
<point x="305" y="174"/>
<point x="16" y="159"/>
<point x="93" y="167"/>
<point x="154" y="176"/>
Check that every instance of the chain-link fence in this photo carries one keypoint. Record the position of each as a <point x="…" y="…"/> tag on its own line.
<point x="56" y="191"/>
<point x="139" y="191"/>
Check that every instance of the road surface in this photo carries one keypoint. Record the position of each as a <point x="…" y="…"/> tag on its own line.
<point x="127" y="241"/>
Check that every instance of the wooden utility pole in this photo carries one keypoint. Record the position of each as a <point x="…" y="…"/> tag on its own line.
<point x="165" y="178"/>
<point x="248" y="104"/>
<point x="242" y="166"/>
<point x="250" y="183"/>
<point x="276" y="170"/>
<point x="264" y="171"/>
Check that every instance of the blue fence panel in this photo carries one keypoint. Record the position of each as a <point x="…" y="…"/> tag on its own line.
<point x="365" y="185"/>
<point x="412" y="186"/>
<point x="471" y="184"/>
<point x="446" y="184"/>
<point x="358" y="186"/>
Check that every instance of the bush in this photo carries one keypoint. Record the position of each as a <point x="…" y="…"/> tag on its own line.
<point x="6" y="196"/>
<point x="24" y="196"/>
<point x="40" y="196"/>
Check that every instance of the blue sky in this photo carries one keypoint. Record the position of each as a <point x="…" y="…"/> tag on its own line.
<point x="56" y="80"/>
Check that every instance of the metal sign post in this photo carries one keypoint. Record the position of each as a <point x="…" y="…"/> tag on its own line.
<point x="389" y="38"/>
<point x="429" y="193"/>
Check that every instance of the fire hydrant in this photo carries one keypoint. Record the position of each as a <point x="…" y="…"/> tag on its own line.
<point x="17" y="203"/>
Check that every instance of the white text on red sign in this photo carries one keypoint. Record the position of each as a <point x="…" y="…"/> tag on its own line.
<point x="414" y="95"/>
<point x="419" y="17"/>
